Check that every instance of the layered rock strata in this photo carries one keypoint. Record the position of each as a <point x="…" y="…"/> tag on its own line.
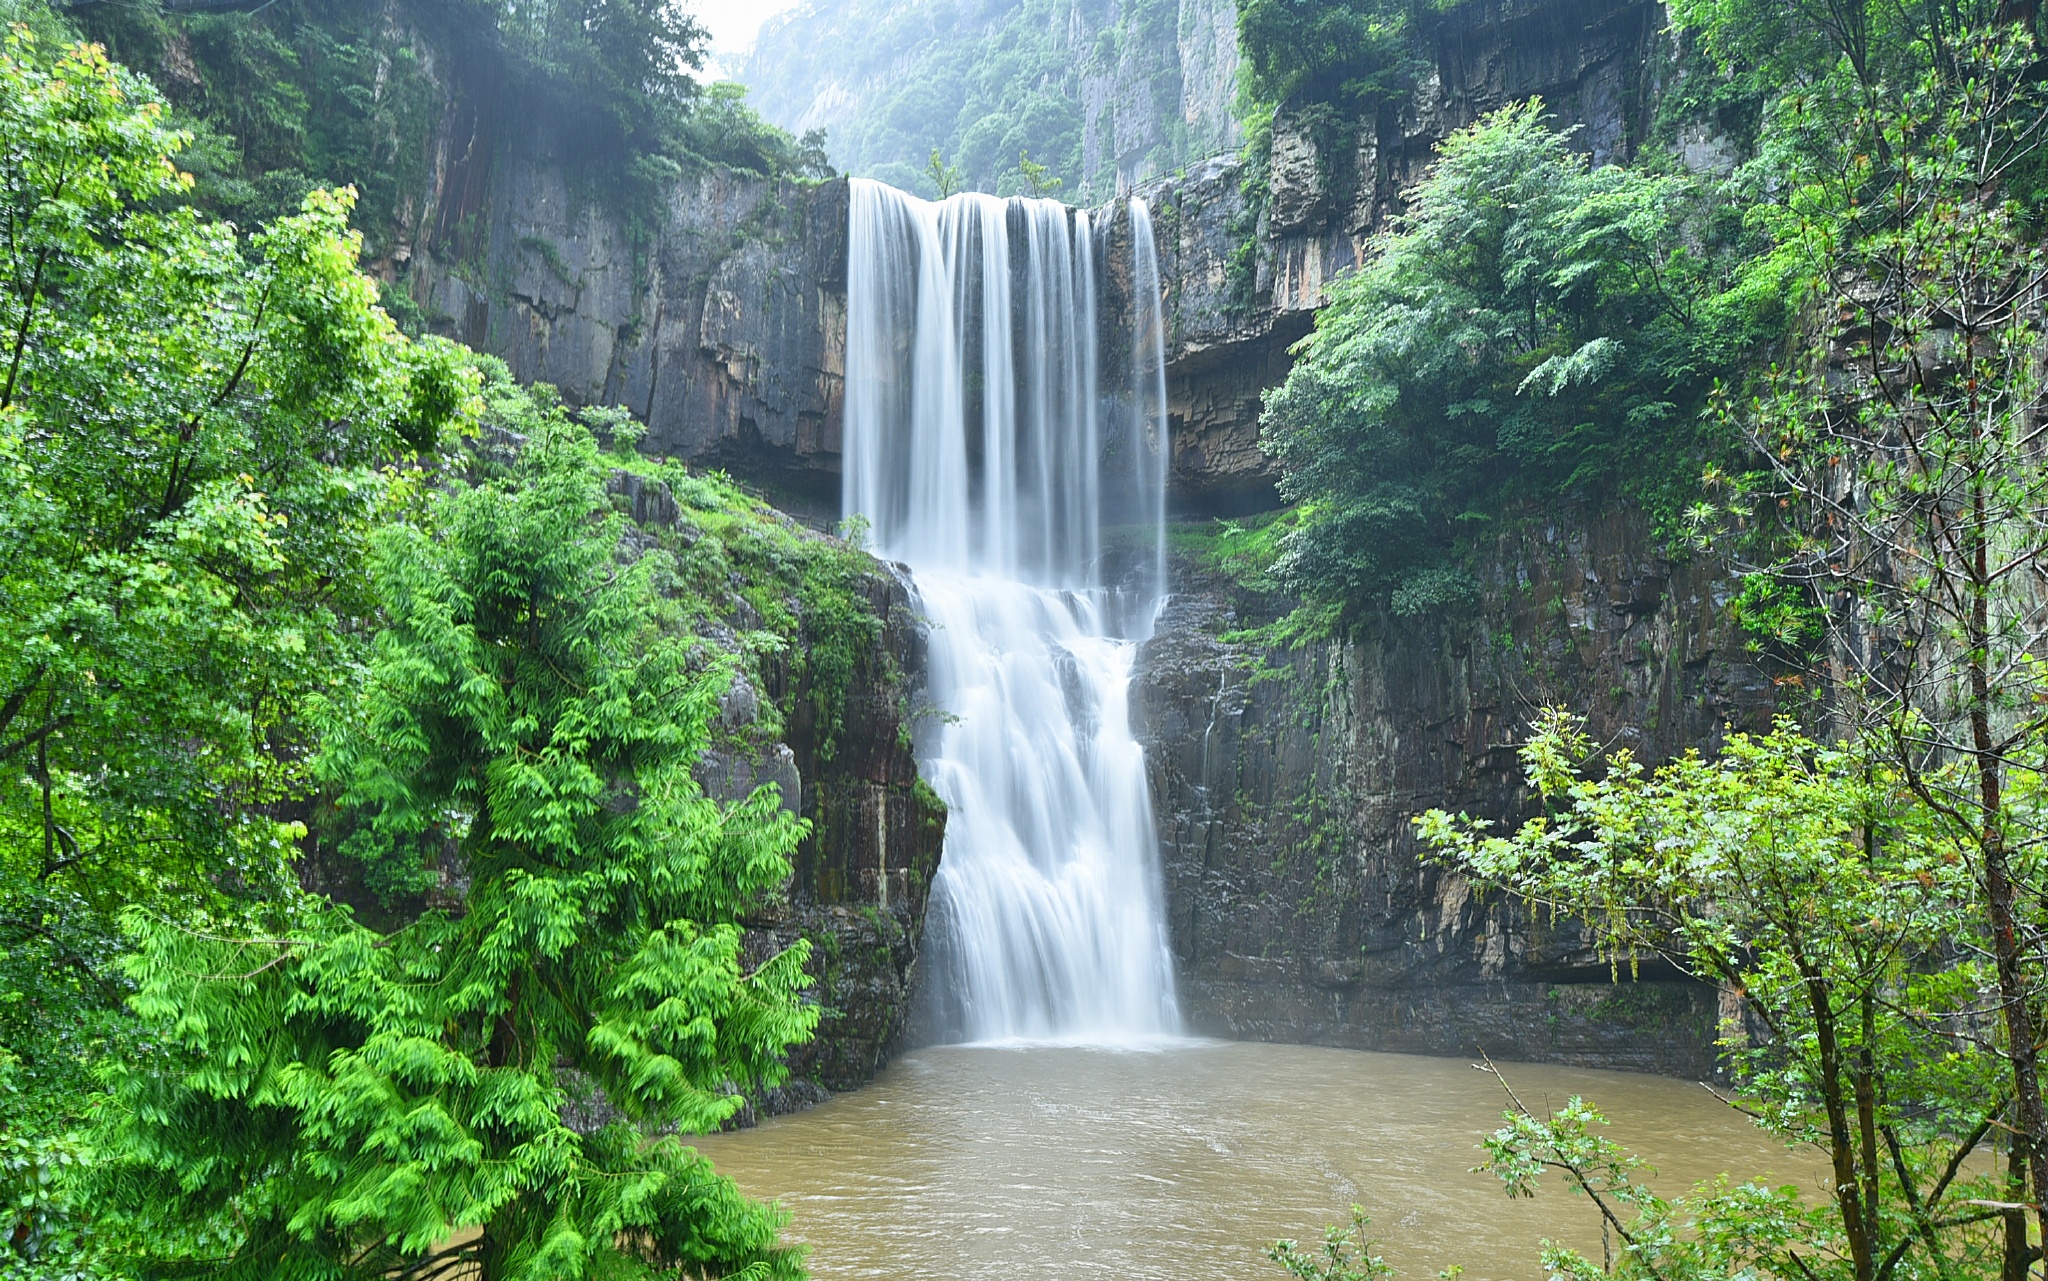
<point x="1286" y="783"/>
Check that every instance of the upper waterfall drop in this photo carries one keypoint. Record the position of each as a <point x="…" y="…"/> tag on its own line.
<point x="990" y="449"/>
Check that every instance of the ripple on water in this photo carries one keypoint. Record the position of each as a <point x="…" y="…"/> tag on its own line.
<point x="1181" y="1161"/>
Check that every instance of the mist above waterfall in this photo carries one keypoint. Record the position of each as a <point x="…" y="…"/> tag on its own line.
<point x="989" y="448"/>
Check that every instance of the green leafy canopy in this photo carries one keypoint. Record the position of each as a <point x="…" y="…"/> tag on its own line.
<point x="497" y="1083"/>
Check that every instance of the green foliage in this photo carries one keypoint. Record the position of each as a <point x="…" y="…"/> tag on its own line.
<point x="1038" y="179"/>
<point x="945" y="178"/>
<point x="1244" y="550"/>
<point x="1837" y="70"/>
<point x="200" y="430"/>
<point x="1821" y="887"/>
<point x="1719" y="1231"/>
<point x="721" y="128"/>
<point x="1355" y="55"/>
<point x="1777" y="613"/>
<point x="807" y="594"/>
<point x="218" y="449"/>
<point x="1530" y="328"/>
<point x="1346" y="1255"/>
<point x="194" y="426"/>
<point x="42" y="1238"/>
<point x="319" y="1099"/>
<point x="1911" y="170"/>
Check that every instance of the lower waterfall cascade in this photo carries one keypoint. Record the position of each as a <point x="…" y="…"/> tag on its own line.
<point x="1021" y="477"/>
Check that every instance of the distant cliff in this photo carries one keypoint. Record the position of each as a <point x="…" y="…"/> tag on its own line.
<point x="1103" y="93"/>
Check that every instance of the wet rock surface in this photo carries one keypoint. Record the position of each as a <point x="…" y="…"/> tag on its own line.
<point x="861" y="878"/>
<point x="1301" y="907"/>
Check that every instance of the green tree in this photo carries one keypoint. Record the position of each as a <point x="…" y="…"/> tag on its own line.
<point x="1900" y="490"/>
<point x="1346" y="1255"/>
<point x="198" y="430"/>
<point x="1813" y="883"/>
<point x="1531" y="327"/>
<point x="946" y="179"/>
<point x="1352" y="54"/>
<point x="1038" y="179"/>
<point x="318" y="1099"/>
<point x="193" y="425"/>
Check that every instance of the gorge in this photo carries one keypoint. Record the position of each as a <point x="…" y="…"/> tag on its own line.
<point x="1296" y="905"/>
<point x="1264" y="592"/>
<point x="1057" y="1123"/>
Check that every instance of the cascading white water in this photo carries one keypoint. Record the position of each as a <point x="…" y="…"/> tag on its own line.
<point x="985" y="449"/>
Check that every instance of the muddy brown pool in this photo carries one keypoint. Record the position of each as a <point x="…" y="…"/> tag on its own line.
<point x="1183" y="1160"/>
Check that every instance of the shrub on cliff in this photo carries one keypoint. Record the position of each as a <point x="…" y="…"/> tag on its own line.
<point x="1533" y="328"/>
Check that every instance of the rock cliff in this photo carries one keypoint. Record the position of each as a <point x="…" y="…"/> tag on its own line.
<point x="1285" y="782"/>
<point x="721" y="325"/>
<point x="1248" y="255"/>
<point x="864" y="873"/>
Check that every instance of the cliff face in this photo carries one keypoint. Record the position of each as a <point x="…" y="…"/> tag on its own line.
<point x="722" y="326"/>
<point x="1311" y="215"/>
<point x="1286" y="782"/>
<point x="863" y="876"/>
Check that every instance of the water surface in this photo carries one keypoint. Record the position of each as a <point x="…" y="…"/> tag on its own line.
<point x="1181" y="1162"/>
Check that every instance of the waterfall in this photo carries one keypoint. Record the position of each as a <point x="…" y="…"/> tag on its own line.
<point x="987" y="448"/>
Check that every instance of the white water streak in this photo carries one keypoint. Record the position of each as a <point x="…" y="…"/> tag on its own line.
<point x="975" y="448"/>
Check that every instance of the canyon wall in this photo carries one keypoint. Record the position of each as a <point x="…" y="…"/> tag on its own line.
<point x="1284" y="781"/>
<point x="721" y="325"/>
<point x="1287" y="780"/>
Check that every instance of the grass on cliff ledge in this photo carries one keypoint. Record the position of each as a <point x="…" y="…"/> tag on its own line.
<point x="786" y="592"/>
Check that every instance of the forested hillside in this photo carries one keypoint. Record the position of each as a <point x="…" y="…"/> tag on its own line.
<point x="1099" y="93"/>
<point x="350" y="840"/>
